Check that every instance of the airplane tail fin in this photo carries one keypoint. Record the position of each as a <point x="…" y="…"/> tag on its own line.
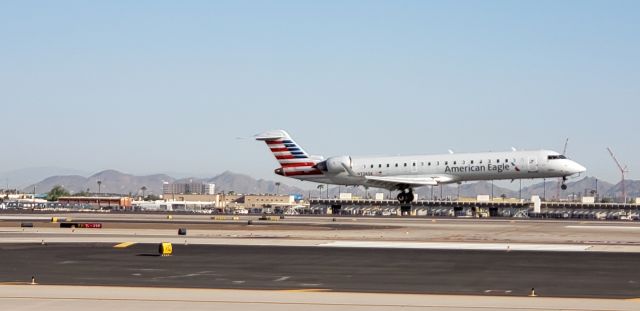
<point x="292" y="158"/>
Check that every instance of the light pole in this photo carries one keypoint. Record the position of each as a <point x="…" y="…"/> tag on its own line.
<point x="520" y="193"/>
<point x="492" y="190"/>
<point x="99" y="184"/>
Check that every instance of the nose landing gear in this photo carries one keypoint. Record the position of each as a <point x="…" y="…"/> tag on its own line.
<point x="563" y="186"/>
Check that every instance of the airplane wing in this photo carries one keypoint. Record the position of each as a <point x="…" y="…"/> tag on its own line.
<point x="392" y="182"/>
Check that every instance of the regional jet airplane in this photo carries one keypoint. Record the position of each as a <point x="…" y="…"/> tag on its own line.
<point x="407" y="172"/>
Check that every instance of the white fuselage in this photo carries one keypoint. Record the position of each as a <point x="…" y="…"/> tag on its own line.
<point x="457" y="167"/>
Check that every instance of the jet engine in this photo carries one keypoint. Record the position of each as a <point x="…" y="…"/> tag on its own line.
<point x="335" y="165"/>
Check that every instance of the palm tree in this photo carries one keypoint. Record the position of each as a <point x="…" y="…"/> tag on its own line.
<point x="277" y="187"/>
<point x="144" y="188"/>
<point x="320" y="187"/>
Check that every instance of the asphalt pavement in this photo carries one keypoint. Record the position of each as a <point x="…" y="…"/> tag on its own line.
<point x="426" y="271"/>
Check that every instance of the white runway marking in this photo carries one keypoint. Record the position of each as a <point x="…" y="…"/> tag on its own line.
<point x="284" y="278"/>
<point x="604" y="227"/>
<point x="462" y="246"/>
<point x="505" y="291"/>
<point x="201" y="273"/>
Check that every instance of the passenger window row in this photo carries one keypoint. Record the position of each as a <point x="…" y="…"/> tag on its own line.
<point x="464" y="162"/>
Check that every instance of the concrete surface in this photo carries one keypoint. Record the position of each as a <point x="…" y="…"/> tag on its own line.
<point x="62" y="298"/>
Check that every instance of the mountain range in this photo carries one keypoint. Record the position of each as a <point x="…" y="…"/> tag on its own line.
<point x="116" y="182"/>
<point x="20" y="178"/>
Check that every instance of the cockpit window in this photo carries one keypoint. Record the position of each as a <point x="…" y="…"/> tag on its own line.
<point x="556" y="157"/>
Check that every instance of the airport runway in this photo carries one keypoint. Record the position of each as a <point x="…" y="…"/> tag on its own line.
<point x="552" y="274"/>
<point x="343" y="228"/>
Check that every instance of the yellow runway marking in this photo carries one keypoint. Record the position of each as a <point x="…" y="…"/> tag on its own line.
<point x="124" y="245"/>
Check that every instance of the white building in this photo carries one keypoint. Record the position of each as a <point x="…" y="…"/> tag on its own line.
<point x="188" y="188"/>
<point x="210" y="189"/>
<point x="169" y="206"/>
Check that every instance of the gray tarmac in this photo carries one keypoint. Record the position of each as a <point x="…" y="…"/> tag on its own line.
<point x="422" y="271"/>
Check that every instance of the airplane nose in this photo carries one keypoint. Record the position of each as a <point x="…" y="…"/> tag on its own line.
<point x="577" y="168"/>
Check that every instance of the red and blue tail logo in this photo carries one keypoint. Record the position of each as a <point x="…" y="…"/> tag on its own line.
<point x="294" y="161"/>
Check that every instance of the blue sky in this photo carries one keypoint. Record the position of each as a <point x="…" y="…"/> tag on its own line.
<point x="159" y="86"/>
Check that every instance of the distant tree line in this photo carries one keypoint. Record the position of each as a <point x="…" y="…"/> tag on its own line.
<point x="56" y="192"/>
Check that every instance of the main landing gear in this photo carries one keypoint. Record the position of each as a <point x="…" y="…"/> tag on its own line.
<point x="405" y="196"/>
<point x="563" y="186"/>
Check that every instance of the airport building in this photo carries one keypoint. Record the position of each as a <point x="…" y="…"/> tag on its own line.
<point x="188" y="188"/>
<point x="268" y="203"/>
<point x="212" y="198"/>
<point x="261" y="200"/>
<point x="97" y="202"/>
<point x="222" y="203"/>
<point x="477" y="208"/>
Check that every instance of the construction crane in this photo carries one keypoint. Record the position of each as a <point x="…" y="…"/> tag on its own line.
<point x="623" y="170"/>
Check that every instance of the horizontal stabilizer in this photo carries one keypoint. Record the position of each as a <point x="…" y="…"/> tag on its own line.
<point x="273" y="135"/>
